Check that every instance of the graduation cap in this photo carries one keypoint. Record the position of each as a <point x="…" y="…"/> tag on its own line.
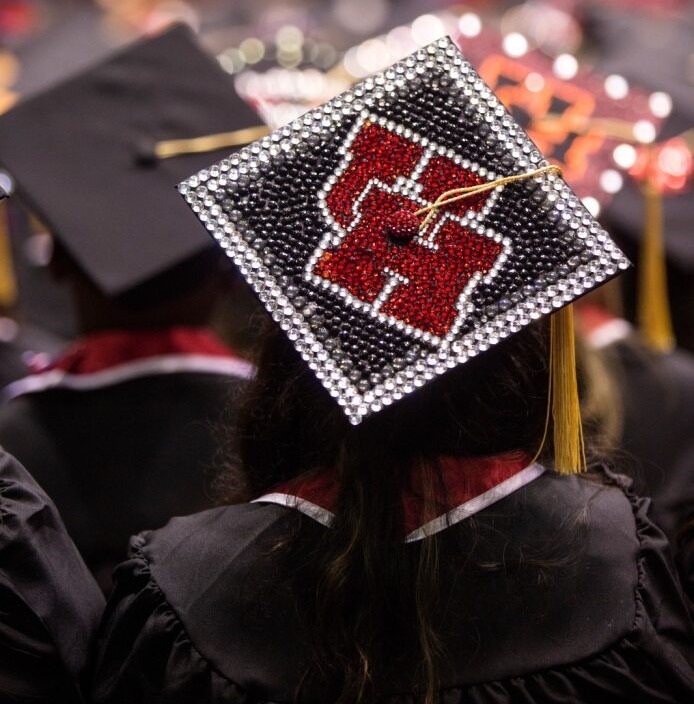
<point x="405" y="227"/>
<point x="98" y="156"/>
<point x="576" y="115"/>
<point x="654" y="208"/>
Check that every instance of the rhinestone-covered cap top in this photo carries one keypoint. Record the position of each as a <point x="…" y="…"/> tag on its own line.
<point x="318" y="218"/>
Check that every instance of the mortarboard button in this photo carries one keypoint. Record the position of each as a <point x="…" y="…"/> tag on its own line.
<point x="146" y="153"/>
<point x="402" y="225"/>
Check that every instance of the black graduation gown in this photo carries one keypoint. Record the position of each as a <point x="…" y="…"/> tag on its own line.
<point x="125" y="453"/>
<point x="685" y="559"/>
<point x="560" y="592"/>
<point x="50" y="605"/>
<point x="11" y="364"/>
<point x="17" y="354"/>
<point x="658" y="437"/>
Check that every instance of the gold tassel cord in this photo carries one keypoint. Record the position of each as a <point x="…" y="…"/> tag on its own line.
<point x="562" y="396"/>
<point x="608" y="127"/>
<point x="569" y="445"/>
<point x="563" y="403"/>
<point x="457" y="194"/>
<point x="605" y="127"/>
<point x="8" y="284"/>
<point x="655" y="322"/>
<point x="209" y="143"/>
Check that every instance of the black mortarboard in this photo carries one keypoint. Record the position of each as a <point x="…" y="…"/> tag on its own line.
<point x="84" y="156"/>
<point x="338" y="221"/>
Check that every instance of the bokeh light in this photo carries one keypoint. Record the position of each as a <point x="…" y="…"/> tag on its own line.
<point x="565" y="66"/>
<point x="469" y="24"/>
<point x="624" y="156"/>
<point x="427" y="28"/>
<point x="515" y="45"/>
<point x="616" y="87"/>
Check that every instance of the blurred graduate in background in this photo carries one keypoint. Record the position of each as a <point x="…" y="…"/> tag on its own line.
<point x="649" y="45"/>
<point x="51" y="604"/>
<point x="119" y="429"/>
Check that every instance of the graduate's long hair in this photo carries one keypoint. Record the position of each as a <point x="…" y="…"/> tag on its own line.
<point x="367" y="597"/>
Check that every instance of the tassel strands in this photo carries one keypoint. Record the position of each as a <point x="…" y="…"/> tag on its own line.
<point x="8" y="284"/>
<point x="654" y="318"/>
<point x="569" y="446"/>
<point x="563" y="404"/>
<point x="209" y="143"/>
<point x="458" y="194"/>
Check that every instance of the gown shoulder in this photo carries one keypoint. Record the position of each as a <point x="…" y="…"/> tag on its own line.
<point x="200" y="612"/>
<point x="50" y="605"/>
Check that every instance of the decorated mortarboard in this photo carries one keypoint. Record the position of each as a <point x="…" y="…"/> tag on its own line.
<point x="96" y="156"/>
<point x="576" y="115"/>
<point x="402" y="228"/>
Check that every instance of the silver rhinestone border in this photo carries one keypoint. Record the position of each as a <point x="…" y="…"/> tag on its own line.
<point x="234" y="237"/>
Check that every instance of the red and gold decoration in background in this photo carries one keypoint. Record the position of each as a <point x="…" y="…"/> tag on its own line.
<point x="569" y="118"/>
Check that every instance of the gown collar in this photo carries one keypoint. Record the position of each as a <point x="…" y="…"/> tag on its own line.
<point x="109" y="357"/>
<point x="601" y="328"/>
<point x="471" y="484"/>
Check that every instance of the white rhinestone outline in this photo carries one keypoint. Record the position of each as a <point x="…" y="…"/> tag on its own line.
<point x="407" y="185"/>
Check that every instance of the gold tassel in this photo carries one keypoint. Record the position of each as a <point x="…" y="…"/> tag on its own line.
<point x="569" y="447"/>
<point x="209" y="143"/>
<point x="8" y="285"/>
<point x="655" y="322"/>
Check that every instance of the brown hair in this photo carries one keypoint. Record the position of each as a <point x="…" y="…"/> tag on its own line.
<point x="370" y="596"/>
